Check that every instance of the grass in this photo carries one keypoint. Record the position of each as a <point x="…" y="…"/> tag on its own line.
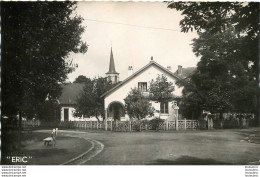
<point x="32" y="146"/>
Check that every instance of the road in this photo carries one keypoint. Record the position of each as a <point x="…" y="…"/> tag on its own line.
<point x="211" y="147"/>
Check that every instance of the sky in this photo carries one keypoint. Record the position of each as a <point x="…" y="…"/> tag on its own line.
<point x="136" y="31"/>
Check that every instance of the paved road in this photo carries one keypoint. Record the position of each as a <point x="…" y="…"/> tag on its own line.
<point x="190" y="147"/>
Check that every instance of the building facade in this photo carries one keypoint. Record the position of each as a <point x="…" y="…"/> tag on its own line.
<point x="114" y="98"/>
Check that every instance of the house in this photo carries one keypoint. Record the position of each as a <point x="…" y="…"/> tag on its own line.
<point x="67" y="100"/>
<point x="114" y="98"/>
<point x="184" y="73"/>
<point x="70" y="92"/>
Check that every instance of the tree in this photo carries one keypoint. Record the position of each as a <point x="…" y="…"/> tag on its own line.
<point x="49" y="110"/>
<point x="90" y="103"/>
<point x="222" y="77"/>
<point x="38" y="38"/>
<point x="82" y="79"/>
<point x="137" y="106"/>
<point x="191" y="102"/>
<point x="217" y="17"/>
<point x="229" y="75"/>
<point x="161" y="90"/>
<point x="226" y="77"/>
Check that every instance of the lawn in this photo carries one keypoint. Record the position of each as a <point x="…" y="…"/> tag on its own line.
<point x="65" y="149"/>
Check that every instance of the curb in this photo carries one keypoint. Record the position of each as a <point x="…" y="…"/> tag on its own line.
<point x="81" y="155"/>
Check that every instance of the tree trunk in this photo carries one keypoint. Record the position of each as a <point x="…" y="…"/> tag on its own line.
<point x="97" y="118"/>
<point x="158" y="125"/>
<point x="221" y="119"/>
<point x="20" y="129"/>
<point x="139" y="123"/>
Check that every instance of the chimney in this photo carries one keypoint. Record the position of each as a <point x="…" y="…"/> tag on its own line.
<point x="169" y="68"/>
<point x="179" y="70"/>
<point x="130" y="71"/>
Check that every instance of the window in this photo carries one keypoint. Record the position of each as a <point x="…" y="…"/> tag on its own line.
<point x="164" y="108"/>
<point x="142" y="86"/>
<point x="115" y="79"/>
<point x="109" y="78"/>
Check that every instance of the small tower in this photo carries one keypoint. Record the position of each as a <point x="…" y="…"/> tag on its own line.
<point x="112" y="75"/>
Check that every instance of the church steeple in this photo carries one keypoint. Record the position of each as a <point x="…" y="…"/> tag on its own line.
<point x="112" y="69"/>
<point x="112" y="75"/>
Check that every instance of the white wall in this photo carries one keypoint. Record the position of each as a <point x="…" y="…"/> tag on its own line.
<point x="71" y="110"/>
<point x="72" y="118"/>
<point x="147" y="75"/>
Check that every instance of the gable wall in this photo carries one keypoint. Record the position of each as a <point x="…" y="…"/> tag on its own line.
<point x="70" y="110"/>
<point x="146" y="76"/>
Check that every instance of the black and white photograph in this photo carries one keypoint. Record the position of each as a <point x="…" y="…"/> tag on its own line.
<point x="130" y="83"/>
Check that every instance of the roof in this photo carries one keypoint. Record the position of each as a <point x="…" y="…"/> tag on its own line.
<point x="112" y="69"/>
<point x="186" y="72"/>
<point x="70" y="92"/>
<point x="152" y="62"/>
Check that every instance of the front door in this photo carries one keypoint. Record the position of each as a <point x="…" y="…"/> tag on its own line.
<point x="116" y="112"/>
<point x="66" y="114"/>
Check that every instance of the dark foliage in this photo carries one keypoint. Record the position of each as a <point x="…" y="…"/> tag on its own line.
<point x="227" y="73"/>
<point x="90" y="103"/>
<point x="37" y="39"/>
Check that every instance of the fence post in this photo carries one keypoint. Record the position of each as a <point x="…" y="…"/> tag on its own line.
<point x="129" y="125"/>
<point x="111" y="125"/>
<point x="105" y="119"/>
<point x="185" y="122"/>
<point x="91" y="124"/>
<point x="176" y="122"/>
<point x="167" y="124"/>
<point x="116" y="125"/>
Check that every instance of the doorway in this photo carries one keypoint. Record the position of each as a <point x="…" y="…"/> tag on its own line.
<point x="116" y="110"/>
<point x="66" y="114"/>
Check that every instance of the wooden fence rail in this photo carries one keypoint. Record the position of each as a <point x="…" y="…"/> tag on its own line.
<point x="124" y="126"/>
<point x="127" y="126"/>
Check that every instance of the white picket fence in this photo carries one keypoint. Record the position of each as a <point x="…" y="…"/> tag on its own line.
<point x="113" y="125"/>
<point x="145" y="126"/>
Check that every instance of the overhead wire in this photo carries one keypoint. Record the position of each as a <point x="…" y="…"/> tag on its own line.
<point x="139" y="26"/>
